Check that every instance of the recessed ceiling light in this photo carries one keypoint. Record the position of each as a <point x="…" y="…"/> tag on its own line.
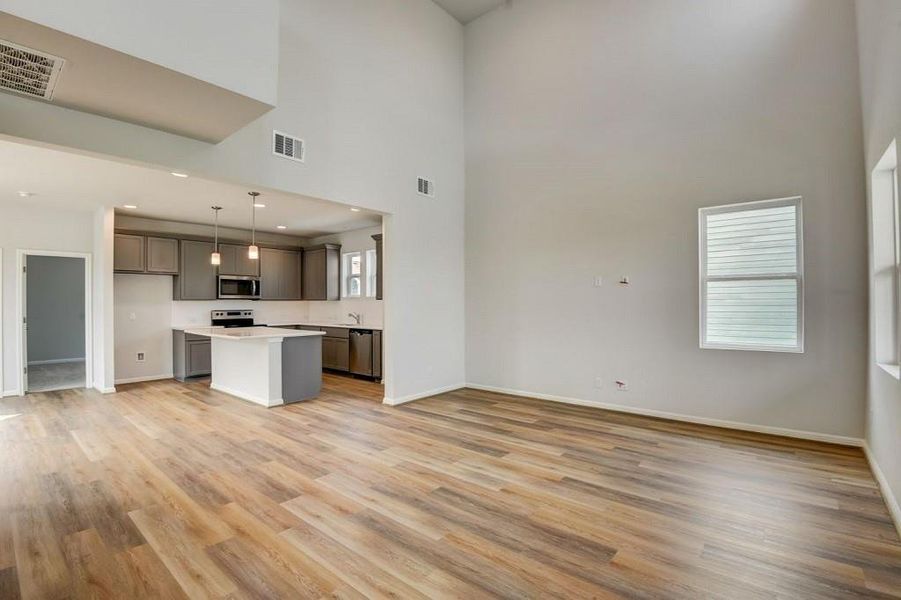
<point x="281" y="227"/>
<point x="258" y="205"/>
<point x="131" y="206"/>
<point x="355" y="210"/>
<point x="177" y="174"/>
<point x="26" y="194"/>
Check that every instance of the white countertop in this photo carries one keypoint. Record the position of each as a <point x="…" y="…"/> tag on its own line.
<point x="319" y="324"/>
<point x="249" y="333"/>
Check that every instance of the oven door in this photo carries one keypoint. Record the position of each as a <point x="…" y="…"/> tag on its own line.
<point x="239" y="287"/>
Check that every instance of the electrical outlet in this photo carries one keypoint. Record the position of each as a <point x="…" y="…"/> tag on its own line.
<point x="132" y="316"/>
<point x="598" y="382"/>
<point x="622" y="385"/>
<point x="598" y="281"/>
<point x="140" y="357"/>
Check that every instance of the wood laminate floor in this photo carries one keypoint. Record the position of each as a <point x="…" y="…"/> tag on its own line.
<point x="166" y="490"/>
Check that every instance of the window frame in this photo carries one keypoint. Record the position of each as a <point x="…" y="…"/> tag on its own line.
<point x="346" y="259"/>
<point x="704" y="279"/>
<point x="369" y="268"/>
<point x="886" y="167"/>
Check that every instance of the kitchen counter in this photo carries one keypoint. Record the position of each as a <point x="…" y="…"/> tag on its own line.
<point x="321" y="324"/>
<point x="250" y="333"/>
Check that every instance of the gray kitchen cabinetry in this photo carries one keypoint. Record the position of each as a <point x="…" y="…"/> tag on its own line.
<point x="191" y="355"/>
<point x="280" y="274"/>
<point x="322" y="272"/>
<point x="128" y="253"/>
<point x="162" y="255"/>
<point x="378" y="265"/>
<point x="234" y="261"/>
<point x="134" y="253"/>
<point x="377" y="354"/>
<point x="196" y="279"/>
<point x="336" y="348"/>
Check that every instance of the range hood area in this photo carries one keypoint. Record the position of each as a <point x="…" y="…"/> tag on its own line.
<point x="100" y="80"/>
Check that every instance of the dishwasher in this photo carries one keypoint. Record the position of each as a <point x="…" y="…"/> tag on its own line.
<point x="361" y="352"/>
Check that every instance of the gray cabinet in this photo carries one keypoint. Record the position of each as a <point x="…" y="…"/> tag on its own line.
<point x="128" y="253"/>
<point x="336" y="353"/>
<point x="162" y="255"/>
<point x="234" y="261"/>
<point x="197" y="277"/>
<point x="280" y="274"/>
<point x="322" y="272"/>
<point x="377" y="354"/>
<point x="191" y="355"/>
<point x="378" y="265"/>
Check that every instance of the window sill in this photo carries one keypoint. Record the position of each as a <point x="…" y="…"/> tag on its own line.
<point x="893" y="370"/>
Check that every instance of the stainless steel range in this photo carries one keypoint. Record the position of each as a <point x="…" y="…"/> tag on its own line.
<point x="232" y="318"/>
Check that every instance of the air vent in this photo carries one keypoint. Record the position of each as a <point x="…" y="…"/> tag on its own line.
<point x="28" y="72"/>
<point x="426" y="187"/>
<point x="287" y="146"/>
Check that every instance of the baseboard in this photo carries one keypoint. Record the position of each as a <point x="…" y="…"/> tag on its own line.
<point x="105" y="390"/>
<point x="420" y="396"/>
<point x="888" y="495"/>
<point x="55" y="361"/>
<point x="144" y="378"/>
<point x="793" y="433"/>
<point x="9" y="393"/>
<point x="248" y="398"/>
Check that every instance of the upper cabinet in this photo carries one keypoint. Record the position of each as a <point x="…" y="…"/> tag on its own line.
<point x="197" y="277"/>
<point x="322" y="272"/>
<point x="145" y="254"/>
<point x="236" y="262"/>
<point x="280" y="274"/>
<point x="378" y="265"/>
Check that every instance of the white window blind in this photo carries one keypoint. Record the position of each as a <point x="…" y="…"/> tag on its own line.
<point x="752" y="276"/>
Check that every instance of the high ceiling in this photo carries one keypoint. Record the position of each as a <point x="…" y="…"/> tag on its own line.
<point x="76" y="182"/>
<point x="467" y="10"/>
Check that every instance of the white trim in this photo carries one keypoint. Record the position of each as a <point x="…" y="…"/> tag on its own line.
<point x="420" y="396"/>
<point x="56" y="361"/>
<point x="792" y="433"/>
<point x="9" y="393"/>
<point x="144" y="378"/>
<point x="888" y="496"/>
<point x="103" y="390"/>
<point x="247" y="397"/>
<point x="703" y="279"/>
<point x="3" y="393"/>
<point x="88" y="311"/>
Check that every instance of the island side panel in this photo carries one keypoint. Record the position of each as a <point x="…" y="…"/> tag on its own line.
<point x="248" y="369"/>
<point x="301" y="368"/>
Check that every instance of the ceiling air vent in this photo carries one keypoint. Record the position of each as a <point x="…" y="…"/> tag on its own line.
<point x="29" y="72"/>
<point x="426" y="187"/>
<point x="287" y="146"/>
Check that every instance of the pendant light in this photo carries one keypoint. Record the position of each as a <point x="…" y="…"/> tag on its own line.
<point x="253" y="252"/>
<point x="215" y="257"/>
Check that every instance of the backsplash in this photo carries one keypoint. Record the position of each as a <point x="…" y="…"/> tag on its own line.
<point x="198" y="313"/>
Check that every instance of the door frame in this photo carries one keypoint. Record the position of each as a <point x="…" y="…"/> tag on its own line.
<point x="21" y="256"/>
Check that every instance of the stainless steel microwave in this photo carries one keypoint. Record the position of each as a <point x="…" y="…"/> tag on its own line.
<point x="239" y="287"/>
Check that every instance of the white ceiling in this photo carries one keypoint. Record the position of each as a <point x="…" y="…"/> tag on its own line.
<point x="467" y="10"/>
<point x="76" y="182"/>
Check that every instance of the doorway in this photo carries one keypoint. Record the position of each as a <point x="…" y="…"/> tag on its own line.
<point x="55" y="318"/>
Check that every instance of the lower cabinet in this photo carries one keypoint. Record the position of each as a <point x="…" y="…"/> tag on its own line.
<point x="191" y="355"/>
<point x="336" y="353"/>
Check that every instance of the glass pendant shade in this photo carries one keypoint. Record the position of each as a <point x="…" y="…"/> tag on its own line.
<point x="253" y="252"/>
<point x="215" y="258"/>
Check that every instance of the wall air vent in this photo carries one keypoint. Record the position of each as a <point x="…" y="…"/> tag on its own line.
<point x="287" y="146"/>
<point x="426" y="187"/>
<point x="29" y="72"/>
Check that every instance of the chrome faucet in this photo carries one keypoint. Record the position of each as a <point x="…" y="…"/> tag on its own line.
<point x="356" y="317"/>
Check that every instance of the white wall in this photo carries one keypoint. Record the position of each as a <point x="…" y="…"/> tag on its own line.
<point x="375" y="89"/>
<point x="880" y="75"/>
<point x="239" y="52"/>
<point x="55" y="309"/>
<point x="370" y="309"/>
<point x="595" y="131"/>
<point x="25" y="227"/>
<point x="103" y="301"/>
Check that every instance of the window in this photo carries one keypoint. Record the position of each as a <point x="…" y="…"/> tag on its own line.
<point x="353" y="275"/>
<point x="370" y="273"/>
<point x="885" y="275"/>
<point x="752" y="283"/>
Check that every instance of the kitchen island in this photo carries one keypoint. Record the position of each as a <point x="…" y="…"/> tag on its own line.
<point x="265" y="365"/>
